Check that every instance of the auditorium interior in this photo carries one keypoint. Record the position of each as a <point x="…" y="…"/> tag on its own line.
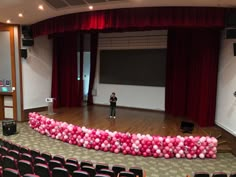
<point x="171" y="65"/>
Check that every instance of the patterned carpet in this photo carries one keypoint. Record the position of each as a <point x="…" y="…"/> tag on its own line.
<point x="154" y="167"/>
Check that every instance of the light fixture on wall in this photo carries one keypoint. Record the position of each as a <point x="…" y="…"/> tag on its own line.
<point x="90" y="7"/>
<point x="8" y="21"/>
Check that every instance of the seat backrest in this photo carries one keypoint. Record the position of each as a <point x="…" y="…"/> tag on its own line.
<point x="3" y="150"/>
<point x="9" y="162"/>
<point x="59" y="158"/>
<point x="72" y="160"/>
<point x="219" y="174"/>
<point x="79" y="173"/>
<point x="35" y="153"/>
<point x="24" y="150"/>
<point x="8" y="172"/>
<point x="107" y="172"/>
<point x="137" y="171"/>
<point x="91" y="170"/>
<point x="71" y="167"/>
<point x="14" y="153"/>
<point x="47" y="156"/>
<point x="100" y="166"/>
<point x="25" y="167"/>
<point x="126" y="174"/>
<point x="54" y="163"/>
<point x="40" y="160"/>
<point x="232" y="174"/>
<point x="60" y="172"/>
<point x="26" y="156"/>
<point x="42" y="170"/>
<point x="86" y="163"/>
<point x="117" y="169"/>
<point x="201" y="174"/>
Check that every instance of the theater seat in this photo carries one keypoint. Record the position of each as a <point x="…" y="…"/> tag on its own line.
<point x="107" y="172"/>
<point x="117" y="169"/>
<point x="60" y="172"/>
<point x="126" y="174"/>
<point x="219" y="174"/>
<point x="9" y="172"/>
<point x="54" y="163"/>
<point x="201" y="174"/>
<point x="71" y="167"/>
<point x="137" y="171"/>
<point x="79" y="173"/>
<point x="9" y="162"/>
<point x="25" y="167"/>
<point x="91" y="170"/>
<point x="42" y="170"/>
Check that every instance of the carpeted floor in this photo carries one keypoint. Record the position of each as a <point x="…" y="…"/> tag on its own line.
<point x="154" y="167"/>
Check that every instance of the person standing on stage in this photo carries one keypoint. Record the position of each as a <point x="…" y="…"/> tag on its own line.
<point x="113" y="100"/>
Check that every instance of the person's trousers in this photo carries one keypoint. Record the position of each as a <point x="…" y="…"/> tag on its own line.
<point x="112" y="111"/>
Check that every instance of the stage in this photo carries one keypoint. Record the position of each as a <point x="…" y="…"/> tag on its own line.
<point x="129" y="120"/>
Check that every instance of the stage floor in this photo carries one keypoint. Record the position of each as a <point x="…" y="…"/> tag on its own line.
<point x="128" y="120"/>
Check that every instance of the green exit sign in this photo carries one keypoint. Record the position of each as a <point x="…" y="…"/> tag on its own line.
<point x="4" y="89"/>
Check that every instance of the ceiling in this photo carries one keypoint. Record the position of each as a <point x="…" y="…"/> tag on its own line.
<point x="9" y="9"/>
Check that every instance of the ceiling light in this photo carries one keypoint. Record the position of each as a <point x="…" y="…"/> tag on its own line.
<point x="40" y="7"/>
<point x="20" y="15"/>
<point x="91" y="7"/>
<point x="8" y="21"/>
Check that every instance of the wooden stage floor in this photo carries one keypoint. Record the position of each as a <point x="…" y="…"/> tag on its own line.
<point x="128" y="120"/>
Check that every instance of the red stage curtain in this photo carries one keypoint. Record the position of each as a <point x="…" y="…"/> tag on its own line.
<point x="93" y="59"/>
<point x="64" y="76"/>
<point x="133" y="19"/>
<point x="191" y="80"/>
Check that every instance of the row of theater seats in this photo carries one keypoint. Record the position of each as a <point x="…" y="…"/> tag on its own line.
<point x="17" y="161"/>
<point x="216" y="174"/>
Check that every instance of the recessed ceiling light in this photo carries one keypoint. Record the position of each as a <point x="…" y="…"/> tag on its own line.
<point x="91" y="7"/>
<point x="20" y="15"/>
<point x="8" y="21"/>
<point x="40" y="7"/>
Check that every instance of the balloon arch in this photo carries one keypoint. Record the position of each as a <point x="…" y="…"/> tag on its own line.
<point x="134" y="144"/>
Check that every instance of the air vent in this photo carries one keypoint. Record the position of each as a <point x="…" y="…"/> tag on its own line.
<point x="96" y="1"/>
<point x="76" y="2"/>
<point x="57" y="3"/>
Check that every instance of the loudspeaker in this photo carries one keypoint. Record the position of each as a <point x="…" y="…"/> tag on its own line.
<point x="234" y="49"/>
<point x="186" y="127"/>
<point x="27" y="31"/>
<point x="23" y="53"/>
<point x="230" y="33"/>
<point x="8" y="127"/>
<point x="27" y="42"/>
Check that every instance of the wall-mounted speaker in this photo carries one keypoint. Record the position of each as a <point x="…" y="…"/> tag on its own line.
<point x="27" y="31"/>
<point x="231" y="34"/>
<point x="27" y="42"/>
<point x="23" y="53"/>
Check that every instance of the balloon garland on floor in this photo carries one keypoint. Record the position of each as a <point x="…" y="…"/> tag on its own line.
<point x="134" y="144"/>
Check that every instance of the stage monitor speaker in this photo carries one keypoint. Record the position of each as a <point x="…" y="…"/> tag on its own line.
<point x="27" y="42"/>
<point x="231" y="34"/>
<point x="8" y="127"/>
<point x="186" y="127"/>
<point x="23" y="53"/>
<point x="27" y="31"/>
